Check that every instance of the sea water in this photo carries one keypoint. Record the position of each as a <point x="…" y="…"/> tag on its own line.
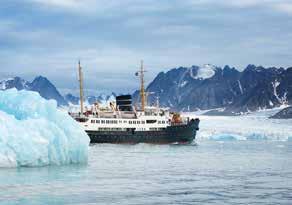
<point x="235" y="160"/>
<point x="211" y="172"/>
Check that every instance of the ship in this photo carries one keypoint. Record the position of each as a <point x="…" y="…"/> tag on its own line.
<point x="122" y="122"/>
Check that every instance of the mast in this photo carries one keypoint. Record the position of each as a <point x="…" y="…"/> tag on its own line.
<point x="142" y="90"/>
<point x="80" y="87"/>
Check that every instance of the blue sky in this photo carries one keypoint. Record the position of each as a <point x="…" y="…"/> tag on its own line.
<point x="47" y="37"/>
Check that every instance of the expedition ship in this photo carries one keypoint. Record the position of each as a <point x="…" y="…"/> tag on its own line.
<point x="122" y="122"/>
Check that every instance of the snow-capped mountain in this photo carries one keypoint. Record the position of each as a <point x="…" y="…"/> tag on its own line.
<point x="48" y="91"/>
<point x="204" y="87"/>
<point x="16" y="82"/>
<point x="40" y="84"/>
<point x="102" y="99"/>
<point x="71" y="99"/>
<point x="209" y="87"/>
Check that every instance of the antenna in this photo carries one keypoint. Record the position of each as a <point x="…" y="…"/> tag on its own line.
<point x="80" y="86"/>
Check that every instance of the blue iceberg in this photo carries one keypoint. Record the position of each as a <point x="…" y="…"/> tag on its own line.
<point x="34" y="132"/>
<point x="226" y="137"/>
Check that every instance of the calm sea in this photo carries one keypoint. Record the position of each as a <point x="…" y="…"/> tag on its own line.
<point x="237" y="172"/>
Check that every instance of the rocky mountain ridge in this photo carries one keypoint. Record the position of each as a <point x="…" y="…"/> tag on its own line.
<point x="254" y="88"/>
<point x="48" y="91"/>
<point x="40" y="84"/>
<point x="195" y="88"/>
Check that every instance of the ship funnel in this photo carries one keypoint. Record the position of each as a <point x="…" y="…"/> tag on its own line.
<point x="124" y="102"/>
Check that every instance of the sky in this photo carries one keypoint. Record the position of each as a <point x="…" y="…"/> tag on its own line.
<point x="110" y="37"/>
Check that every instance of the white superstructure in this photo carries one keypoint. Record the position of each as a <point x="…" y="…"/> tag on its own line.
<point x="152" y="119"/>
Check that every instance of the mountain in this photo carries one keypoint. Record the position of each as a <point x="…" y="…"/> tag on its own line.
<point x="210" y="87"/>
<point x="194" y="88"/>
<point x="71" y="99"/>
<point x="47" y="90"/>
<point x="102" y="99"/>
<point x="15" y="82"/>
<point x="191" y="89"/>
<point x="40" y="84"/>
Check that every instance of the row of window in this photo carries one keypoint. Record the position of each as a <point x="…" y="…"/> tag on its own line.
<point x="107" y="121"/>
<point x="119" y="129"/>
<point x="156" y="129"/>
<point x="120" y="121"/>
<point x="161" y="122"/>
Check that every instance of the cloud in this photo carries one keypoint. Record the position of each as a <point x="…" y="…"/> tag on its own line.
<point x="118" y="9"/>
<point x="284" y="7"/>
<point x="276" y="5"/>
<point x="111" y="37"/>
<point x="104" y="7"/>
<point x="67" y="4"/>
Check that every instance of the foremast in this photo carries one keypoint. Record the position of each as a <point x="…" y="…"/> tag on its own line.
<point x="80" y="87"/>
<point x="142" y="86"/>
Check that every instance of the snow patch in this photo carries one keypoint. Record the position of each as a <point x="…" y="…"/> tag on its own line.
<point x="169" y="103"/>
<point x="183" y="84"/>
<point x="2" y="86"/>
<point x="282" y="100"/>
<point x="204" y="72"/>
<point x="240" y="87"/>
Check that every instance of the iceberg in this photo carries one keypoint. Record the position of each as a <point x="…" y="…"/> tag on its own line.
<point x="34" y="132"/>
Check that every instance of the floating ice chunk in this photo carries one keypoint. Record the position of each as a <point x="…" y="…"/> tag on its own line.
<point x="256" y="136"/>
<point x="33" y="132"/>
<point x="226" y="137"/>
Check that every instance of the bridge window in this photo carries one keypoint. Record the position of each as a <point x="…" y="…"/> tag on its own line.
<point x="151" y="121"/>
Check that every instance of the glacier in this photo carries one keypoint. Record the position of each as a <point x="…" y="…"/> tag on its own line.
<point x="34" y="132"/>
<point x="252" y="126"/>
<point x="204" y="72"/>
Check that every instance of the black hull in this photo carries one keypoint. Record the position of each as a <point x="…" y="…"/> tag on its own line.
<point x="172" y="134"/>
